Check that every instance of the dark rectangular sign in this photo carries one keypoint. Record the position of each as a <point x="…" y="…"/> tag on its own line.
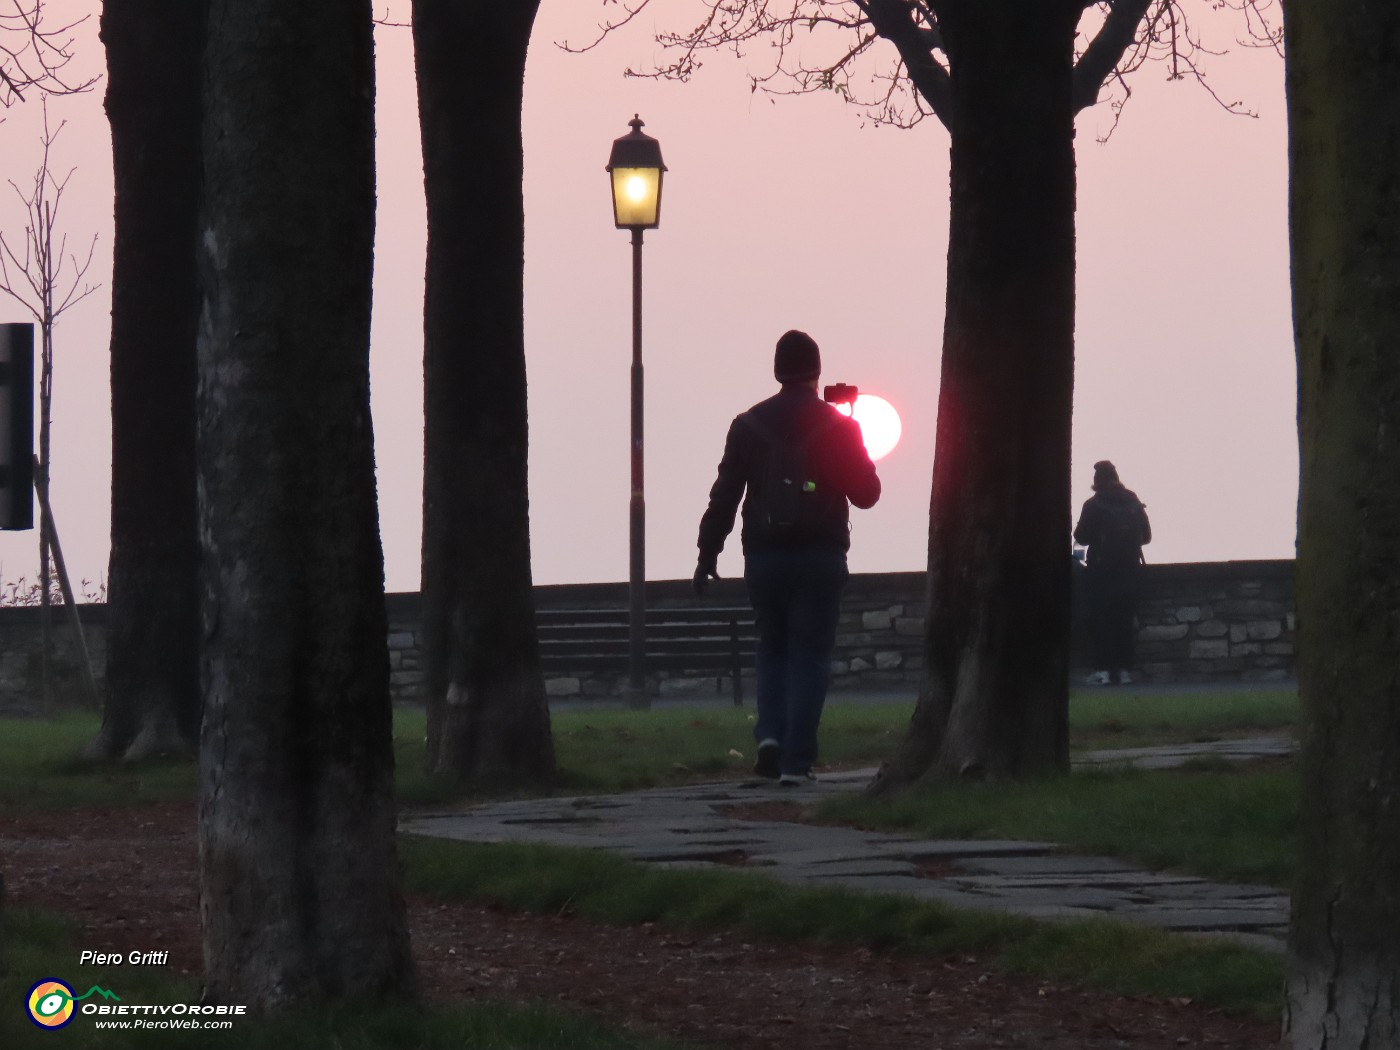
<point x="16" y="426"/>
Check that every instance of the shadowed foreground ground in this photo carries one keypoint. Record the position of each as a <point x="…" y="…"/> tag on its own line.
<point x="128" y="877"/>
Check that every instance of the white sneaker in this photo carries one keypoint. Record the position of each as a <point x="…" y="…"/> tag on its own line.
<point x="1126" y="678"/>
<point x="1099" y="678"/>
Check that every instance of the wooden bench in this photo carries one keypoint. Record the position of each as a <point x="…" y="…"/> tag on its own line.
<point x="717" y="640"/>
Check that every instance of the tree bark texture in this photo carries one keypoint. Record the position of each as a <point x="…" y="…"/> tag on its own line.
<point x="300" y="901"/>
<point x="1343" y="77"/>
<point x="154" y="60"/>
<point x="994" y="697"/>
<point x="488" y="718"/>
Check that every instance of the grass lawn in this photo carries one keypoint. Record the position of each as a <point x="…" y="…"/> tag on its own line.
<point x="612" y="750"/>
<point x="1223" y="820"/>
<point x="40" y="945"/>
<point x="1114" y="718"/>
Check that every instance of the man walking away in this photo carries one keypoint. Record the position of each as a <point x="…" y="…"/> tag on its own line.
<point x="1113" y="526"/>
<point x="797" y="462"/>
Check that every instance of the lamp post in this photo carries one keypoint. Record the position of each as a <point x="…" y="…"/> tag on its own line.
<point x="635" y="168"/>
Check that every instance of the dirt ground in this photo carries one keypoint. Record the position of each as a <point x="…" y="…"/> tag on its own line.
<point x="128" y="876"/>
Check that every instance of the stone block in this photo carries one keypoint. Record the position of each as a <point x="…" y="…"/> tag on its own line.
<point x="1189" y="614"/>
<point x="405" y="678"/>
<point x="876" y="620"/>
<point x="1246" y="649"/>
<point x="909" y="626"/>
<point x="1250" y="588"/>
<point x="401" y="640"/>
<point x="685" y="686"/>
<point x="1212" y="629"/>
<point x="896" y="611"/>
<point x="1264" y="630"/>
<point x="395" y="658"/>
<point x="859" y="664"/>
<point x="888" y="661"/>
<point x="1251" y="609"/>
<point x="1163" y="632"/>
<point x="562" y="687"/>
<point x="1279" y="648"/>
<point x="840" y="667"/>
<point x="852" y="641"/>
<point x="1291" y="621"/>
<point x="1209" y="649"/>
<point x="1238" y="632"/>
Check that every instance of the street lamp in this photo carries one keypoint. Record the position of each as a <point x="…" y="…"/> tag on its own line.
<point x="636" y="170"/>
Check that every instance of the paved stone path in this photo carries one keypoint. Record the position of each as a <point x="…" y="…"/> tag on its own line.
<point x="688" y="827"/>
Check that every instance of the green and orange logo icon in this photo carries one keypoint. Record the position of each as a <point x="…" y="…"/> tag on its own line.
<point x="51" y="1002"/>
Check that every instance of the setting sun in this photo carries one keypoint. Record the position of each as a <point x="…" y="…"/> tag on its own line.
<point x="879" y="424"/>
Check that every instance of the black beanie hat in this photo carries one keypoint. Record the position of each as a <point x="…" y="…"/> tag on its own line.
<point x="797" y="358"/>
<point x="1105" y="473"/>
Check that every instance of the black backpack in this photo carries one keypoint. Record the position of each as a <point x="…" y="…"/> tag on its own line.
<point x="791" y="507"/>
<point x="1120" y="533"/>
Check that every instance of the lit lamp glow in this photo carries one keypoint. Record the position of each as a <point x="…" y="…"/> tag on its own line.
<point x="879" y="424"/>
<point x="636" y="197"/>
<point x="636" y="170"/>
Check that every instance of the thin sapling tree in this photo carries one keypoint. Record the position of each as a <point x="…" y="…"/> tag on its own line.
<point x="41" y="274"/>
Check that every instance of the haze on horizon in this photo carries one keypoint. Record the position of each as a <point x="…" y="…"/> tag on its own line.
<point x="779" y="213"/>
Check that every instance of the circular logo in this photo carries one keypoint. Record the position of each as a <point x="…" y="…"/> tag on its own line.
<point x="50" y="1003"/>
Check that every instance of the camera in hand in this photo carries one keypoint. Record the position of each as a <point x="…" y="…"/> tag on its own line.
<point x="840" y="394"/>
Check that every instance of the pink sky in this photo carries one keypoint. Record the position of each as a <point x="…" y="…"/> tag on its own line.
<point x="777" y="214"/>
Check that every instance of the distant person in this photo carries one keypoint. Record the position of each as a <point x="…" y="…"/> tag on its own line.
<point x="796" y="461"/>
<point x="1113" y="526"/>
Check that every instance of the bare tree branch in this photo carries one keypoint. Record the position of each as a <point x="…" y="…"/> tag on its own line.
<point x="388" y="21"/>
<point x="895" y="21"/>
<point x="48" y="293"/>
<point x="1106" y="50"/>
<point x="830" y="45"/>
<point x="33" y="54"/>
<point x="1166" y="33"/>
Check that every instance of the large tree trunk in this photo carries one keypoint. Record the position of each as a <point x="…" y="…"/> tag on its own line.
<point x="1344" y="131"/>
<point x="154" y="60"/>
<point x="487" y="714"/>
<point x="300" y="897"/>
<point x="994" y="697"/>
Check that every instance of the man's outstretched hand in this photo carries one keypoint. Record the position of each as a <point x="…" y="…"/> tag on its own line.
<point x="703" y="574"/>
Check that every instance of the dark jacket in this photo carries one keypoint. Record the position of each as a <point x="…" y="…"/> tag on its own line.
<point x="1113" y="526"/>
<point x="836" y="454"/>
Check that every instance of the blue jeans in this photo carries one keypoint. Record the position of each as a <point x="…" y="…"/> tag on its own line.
<point x="796" y="597"/>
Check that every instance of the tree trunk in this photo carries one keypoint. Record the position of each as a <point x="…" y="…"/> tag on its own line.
<point x="154" y="61"/>
<point x="994" y="697"/>
<point x="1343" y="75"/>
<point x="487" y="714"/>
<point x="300" y="897"/>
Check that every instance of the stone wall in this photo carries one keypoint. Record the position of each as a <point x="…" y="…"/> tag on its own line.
<point x="1210" y="621"/>
<point x="20" y="672"/>
<point x="1217" y="621"/>
<point x="1197" y="622"/>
